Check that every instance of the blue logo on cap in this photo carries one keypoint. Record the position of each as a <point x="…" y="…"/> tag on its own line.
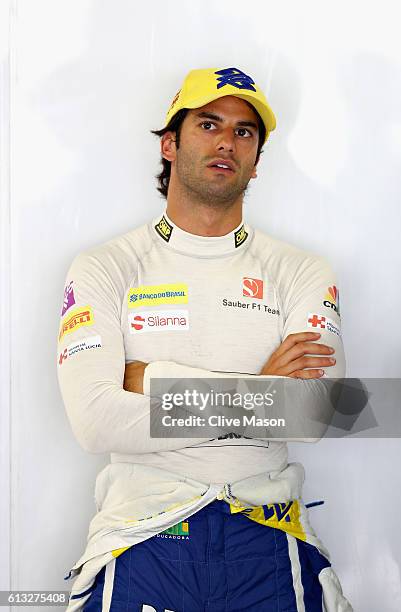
<point x="236" y="78"/>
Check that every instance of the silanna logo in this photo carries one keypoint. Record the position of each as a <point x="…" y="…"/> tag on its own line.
<point x="252" y="287"/>
<point x="158" y="321"/>
<point x="332" y="299"/>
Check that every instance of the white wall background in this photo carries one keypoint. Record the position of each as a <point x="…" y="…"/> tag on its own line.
<point x="83" y="82"/>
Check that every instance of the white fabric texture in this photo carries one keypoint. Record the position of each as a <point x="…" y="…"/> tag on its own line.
<point x="333" y="598"/>
<point x="108" y="586"/>
<point x="296" y="572"/>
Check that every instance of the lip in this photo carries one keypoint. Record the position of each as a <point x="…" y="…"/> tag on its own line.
<point x="225" y="162"/>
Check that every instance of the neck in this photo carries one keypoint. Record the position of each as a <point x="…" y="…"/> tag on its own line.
<point x="201" y="218"/>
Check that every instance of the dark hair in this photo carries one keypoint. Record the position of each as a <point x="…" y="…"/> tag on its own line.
<point x="174" y="125"/>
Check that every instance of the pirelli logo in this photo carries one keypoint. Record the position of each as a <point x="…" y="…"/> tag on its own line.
<point x="77" y="318"/>
<point x="240" y="236"/>
<point x="164" y="229"/>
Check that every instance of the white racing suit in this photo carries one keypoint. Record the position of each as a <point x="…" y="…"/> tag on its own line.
<point x="189" y="306"/>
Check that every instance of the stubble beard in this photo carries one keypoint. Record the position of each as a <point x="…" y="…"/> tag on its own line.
<point x="213" y="193"/>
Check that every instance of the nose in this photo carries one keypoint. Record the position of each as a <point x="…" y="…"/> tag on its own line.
<point x="226" y="140"/>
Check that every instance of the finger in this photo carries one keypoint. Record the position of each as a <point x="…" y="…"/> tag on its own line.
<point x="307" y="348"/>
<point x="299" y="351"/>
<point x="294" y="339"/>
<point x="309" y="362"/>
<point x="307" y="374"/>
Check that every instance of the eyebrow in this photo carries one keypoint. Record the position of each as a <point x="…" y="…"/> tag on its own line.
<point x="208" y="115"/>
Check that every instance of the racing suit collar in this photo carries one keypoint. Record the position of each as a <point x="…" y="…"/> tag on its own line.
<point x="165" y="231"/>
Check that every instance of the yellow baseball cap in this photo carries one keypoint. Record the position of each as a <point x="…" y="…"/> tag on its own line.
<point x="205" y="85"/>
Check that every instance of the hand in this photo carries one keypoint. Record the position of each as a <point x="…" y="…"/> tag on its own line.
<point x="290" y="358"/>
<point x="133" y="376"/>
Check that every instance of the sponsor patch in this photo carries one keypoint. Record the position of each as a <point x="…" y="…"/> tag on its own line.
<point x="250" y="306"/>
<point x="158" y="321"/>
<point x="74" y="348"/>
<point x="176" y="532"/>
<point x="252" y="287"/>
<point x="322" y="322"/>
<point x="284" y="516"/>
<point x="236" y="78"/>
<point x="77" y="318"/>
<point x="149" y="295"/>
<point x="164" y="229"/>
<point x="240" y="236"/>
<point x="332" y="299"/>
<point x="69" y="299"/>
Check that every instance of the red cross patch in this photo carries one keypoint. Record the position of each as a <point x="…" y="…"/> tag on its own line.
<point x="315" y="320"/>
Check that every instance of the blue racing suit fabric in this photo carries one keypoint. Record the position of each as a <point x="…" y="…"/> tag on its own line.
<point x="215" y="562"/>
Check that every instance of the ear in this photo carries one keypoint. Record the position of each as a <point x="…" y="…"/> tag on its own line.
<point x="254" y="171"/>
<point x="167" y="146"/>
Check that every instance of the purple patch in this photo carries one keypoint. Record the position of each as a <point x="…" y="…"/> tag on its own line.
<point x="69" y="299"/>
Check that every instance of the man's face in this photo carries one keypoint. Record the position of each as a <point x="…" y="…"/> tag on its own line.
<point x="217" y="151"/>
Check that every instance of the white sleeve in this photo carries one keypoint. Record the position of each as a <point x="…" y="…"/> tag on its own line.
<point x="171" y="369"/>
<point x="91" y="364"/>
<point x="306" y="307"/>
<point x="310" y="303"/>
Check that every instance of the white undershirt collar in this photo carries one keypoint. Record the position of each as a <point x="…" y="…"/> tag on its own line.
<point x="169" y="234"/>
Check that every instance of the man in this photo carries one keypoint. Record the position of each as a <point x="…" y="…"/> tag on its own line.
<point x="191" y="524"/>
